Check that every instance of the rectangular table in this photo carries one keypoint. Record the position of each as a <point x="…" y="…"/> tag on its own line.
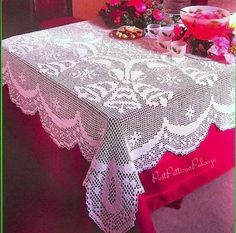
<point x="124" y="104"/>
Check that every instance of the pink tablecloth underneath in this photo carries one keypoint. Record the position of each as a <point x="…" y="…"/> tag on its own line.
<point x="176" y="176"/>
<point x="172" y="179"/>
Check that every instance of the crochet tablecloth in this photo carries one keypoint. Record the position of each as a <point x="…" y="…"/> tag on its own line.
<point x="123" y="103"/>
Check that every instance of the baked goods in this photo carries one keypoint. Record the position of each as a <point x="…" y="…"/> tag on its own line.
<point x="128" y="32"/>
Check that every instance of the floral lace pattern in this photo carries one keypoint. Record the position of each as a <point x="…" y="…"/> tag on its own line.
<point x="124" y="104"/>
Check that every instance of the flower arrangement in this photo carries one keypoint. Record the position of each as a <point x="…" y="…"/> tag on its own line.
<point x="137" y="13"/>
<point x="141" y="13"/>
<point x="221" y="48"/>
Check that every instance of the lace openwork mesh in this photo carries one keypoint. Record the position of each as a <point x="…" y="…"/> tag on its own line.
<point x="122" y="102"/>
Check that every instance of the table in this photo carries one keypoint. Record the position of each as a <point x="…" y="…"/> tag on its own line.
<point x="120" y="101"/>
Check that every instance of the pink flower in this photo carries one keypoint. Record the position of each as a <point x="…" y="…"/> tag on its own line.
<point x="158" y="15"/>
<point x="139" y="5"/>
<point x="114" y="2"/>
<point x="222" y="44"/>
<point x="220" y="48"/>
<point x="177" y="30"/>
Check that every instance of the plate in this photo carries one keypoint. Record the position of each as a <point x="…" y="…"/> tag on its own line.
<point x="127" y="33"/>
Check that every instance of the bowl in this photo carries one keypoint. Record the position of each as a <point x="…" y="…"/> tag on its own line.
<point x="205" y="22"/>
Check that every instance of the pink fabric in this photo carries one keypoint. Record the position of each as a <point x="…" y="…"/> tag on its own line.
<point x="68" y="168"/>
<point x="218" y="147"/>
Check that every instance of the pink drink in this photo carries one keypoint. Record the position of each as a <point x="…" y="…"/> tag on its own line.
<point x="205" y="22"/>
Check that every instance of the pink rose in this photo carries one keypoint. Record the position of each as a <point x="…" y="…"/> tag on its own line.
<point x="158" y="15"/>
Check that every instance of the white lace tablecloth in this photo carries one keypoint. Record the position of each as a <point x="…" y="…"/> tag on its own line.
<point x="122" y="102"/>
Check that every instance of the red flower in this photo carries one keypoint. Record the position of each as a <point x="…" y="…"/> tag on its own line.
<point x="114" y="2"/>
<point x="177" y="30"/>
<point x="104" y="8"/>
<point x="158" y="15"/>
<point x="117" y="20"/>
<point x="116" y="16"/>
<point x="149" y="2"/>
<point x="133" y="2"/>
